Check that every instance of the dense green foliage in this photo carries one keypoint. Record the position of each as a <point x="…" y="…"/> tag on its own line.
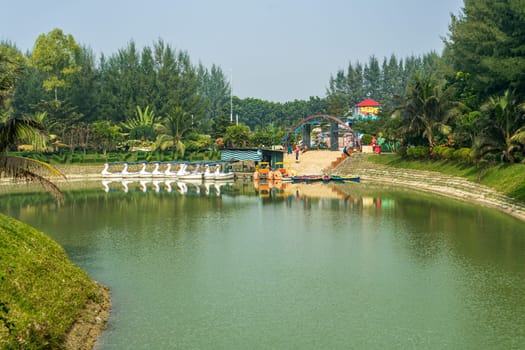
<point x="41" y="292"/>
<point x="487" y="43"/>
<point x="105" y="105"/>
<point x="13" y="129"/>
<point x="471" y="96"/>
<point x="382" y="82"/>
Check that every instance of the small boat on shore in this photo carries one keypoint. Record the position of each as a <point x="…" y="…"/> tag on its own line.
<point x="327" y="178"/>
<point x="307" y="178"/>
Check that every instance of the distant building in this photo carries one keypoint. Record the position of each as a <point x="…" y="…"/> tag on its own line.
<point x="367" y="109"/>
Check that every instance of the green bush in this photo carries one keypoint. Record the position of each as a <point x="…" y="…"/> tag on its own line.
<point x="418" y="152"/>
<point x="443" y="152"/>
<point x="77" y="158"/>
<point x="366" y="139"/>
<point x="463" y="155"/>
<point x="142" y="156"/>
<point x="196" y="156"/>
<point x="113" y="157"/>
<point x="59" y="158"/>
<point x="437" y="152"/>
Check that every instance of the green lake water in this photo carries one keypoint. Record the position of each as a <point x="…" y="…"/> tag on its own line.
<point x="361" y="267"/>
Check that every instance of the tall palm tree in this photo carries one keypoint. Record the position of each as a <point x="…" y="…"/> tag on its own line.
<point x="142" y="126"/>
<point x="428" y="109"/>
<point x="172" y="131"/>
<point x="501" y="127"/>
<point x="21" y="168"/>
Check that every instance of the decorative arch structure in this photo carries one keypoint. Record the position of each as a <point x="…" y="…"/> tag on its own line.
<point x="335" y="124"/>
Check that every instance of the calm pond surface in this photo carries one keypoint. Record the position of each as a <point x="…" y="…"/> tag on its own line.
<point x="320" y="266"/>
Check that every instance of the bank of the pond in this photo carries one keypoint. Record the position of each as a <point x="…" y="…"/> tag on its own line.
<point x="430" y="181"/>
<point x="45" y="301"/>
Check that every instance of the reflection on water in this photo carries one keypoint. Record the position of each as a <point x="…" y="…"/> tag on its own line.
<point x="282" y="265"/>
<point x="182" y="187"/>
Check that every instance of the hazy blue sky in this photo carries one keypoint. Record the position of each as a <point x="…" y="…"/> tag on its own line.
<point x="278" y="50"/>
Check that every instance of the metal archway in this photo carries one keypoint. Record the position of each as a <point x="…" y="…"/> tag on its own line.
<point x="333" y="130"/>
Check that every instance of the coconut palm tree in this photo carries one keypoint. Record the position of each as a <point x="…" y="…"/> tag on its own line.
<point x="172" y="130"/>
<point x="519" y="136"/>
<point x="14" y="129"/>
<point x="427" y="110"/>
<point x="501" y="126"/>
<point x="21" y="168"/>
<point x="142" y="126"/>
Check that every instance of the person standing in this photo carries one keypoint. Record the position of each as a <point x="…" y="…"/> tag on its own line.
<point x="297" y="149"/>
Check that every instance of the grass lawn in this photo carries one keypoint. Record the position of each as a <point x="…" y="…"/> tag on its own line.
<point x="41" y="292"/>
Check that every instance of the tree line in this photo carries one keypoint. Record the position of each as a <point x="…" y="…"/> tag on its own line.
<point x="154" y="96"/>
<point x="469" y="96"/>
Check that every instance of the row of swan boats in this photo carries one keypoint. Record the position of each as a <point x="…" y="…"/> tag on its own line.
<point x="164" y="185"/>
<point x="182" y="172"/>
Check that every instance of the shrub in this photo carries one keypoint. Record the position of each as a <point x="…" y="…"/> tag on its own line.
<point x="141" y="156"/>
<point x="77" y="158"/>
<point x="463" y="155"/>
<point x="437" y="152"/>
<point x="418" y="152"/>
<point x="443" y="152"/>
<point x="366" y="139"/>
<point x="60" y="158"/>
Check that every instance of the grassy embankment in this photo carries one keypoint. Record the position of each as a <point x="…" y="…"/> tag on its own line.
<point x="41" y="292"/>
<point x="508" y="179"/>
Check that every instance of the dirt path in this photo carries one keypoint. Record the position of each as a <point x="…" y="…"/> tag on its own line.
<point x="311" y="162"/>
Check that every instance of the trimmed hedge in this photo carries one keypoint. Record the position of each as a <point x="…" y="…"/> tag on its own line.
<point x="66" y="157"/>
<point x="449" y="153"/>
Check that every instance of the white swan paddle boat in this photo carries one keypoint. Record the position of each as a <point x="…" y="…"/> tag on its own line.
<point x="196" y="174"/>
<point x="221" y="176"/>
<point x="126" y="173"/>
<point x="106" y="173"/>
<point x="182" y="173"/>
<point x="169" y="173"/>
<point x="156" y="171"/>
<point x="143" y="172"/>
